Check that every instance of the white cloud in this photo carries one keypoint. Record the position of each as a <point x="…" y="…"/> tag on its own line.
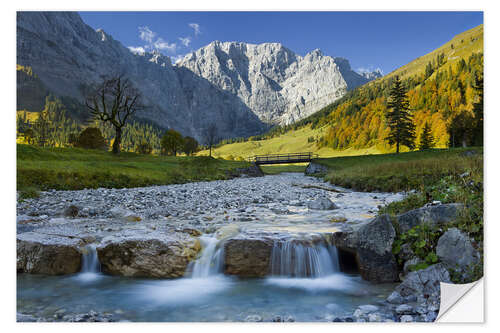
<point x="196" y="28"/>
<point x="369" y="69"/>
<point x="137" y="50"/>
<point x="146" y="34"/>
<point x="161" y="44"/>
<point x="185" y="41"/>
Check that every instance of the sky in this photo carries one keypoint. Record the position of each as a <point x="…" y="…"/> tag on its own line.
<point x="369" y="40"/>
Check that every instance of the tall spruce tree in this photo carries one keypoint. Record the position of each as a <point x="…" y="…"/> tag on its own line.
<point x="399" y="119"/>
<point x="426" y="139"/>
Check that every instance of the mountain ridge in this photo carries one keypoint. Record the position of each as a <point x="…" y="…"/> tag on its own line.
<point x="244" y="88"/>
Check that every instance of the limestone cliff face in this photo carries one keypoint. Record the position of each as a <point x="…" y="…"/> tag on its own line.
<point x="279" y="86"/>
<point x="243" y="88"/>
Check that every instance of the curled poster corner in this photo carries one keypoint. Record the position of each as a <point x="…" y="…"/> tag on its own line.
<point x="462" y="303"/>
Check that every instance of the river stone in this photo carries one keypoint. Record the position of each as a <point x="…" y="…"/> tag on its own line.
<point x="322" y="204"/>
<point x="248" y="257"/>
<point x="424" y="281"/>
<point x="404" y="309"/>
<point x="431" y="215"/>
<point x="315" y="168"/>
<point x="455" y="250"/>
<point x="395" y="298"/>
<point x="22" y="317"/>
<point x="39" y="253"/>
<point x="374" y="250"/>
<point x="147" y="255"/>
<point x="406" y="319"/>
<point x="253" y="318"/>
<point x="371" y="243"/>
<point x="71" y="211"/>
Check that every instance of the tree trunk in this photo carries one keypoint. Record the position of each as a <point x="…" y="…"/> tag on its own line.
<point x="397" y="147"/>
<point x="118" y="140"/>
<point x="210" y="149"/>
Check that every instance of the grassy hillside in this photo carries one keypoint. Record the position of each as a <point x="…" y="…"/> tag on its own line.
<point x="73" y="168"/>
<point x="461" y="46"/>
<point x="440" y="88"/>
<point x="300" y="140"/>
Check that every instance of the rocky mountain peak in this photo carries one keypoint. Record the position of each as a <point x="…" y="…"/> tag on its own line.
<point x="244" y="88"/>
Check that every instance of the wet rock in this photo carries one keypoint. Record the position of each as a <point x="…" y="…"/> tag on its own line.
<point x="91" y="316"/>
<point x="455" y="250"/>
<point x="424" y="281"/>
<point x="404" y="309"/>
<point x="395" y="298"/>
<point x="248" y="257"/>
<point x="127" y="215"/>
<point x="371" y="243"/>
<point x="374" y="250"/>
<point x="253" y="318"/>
<point x="26" y="318"/>
<point x="191" y="231"/>
<point x="374" y="317"/>
<point x="406" y="319"/>
<point x="431" y="316"/>
<point x="227" y="231"/>
<point x="39" y="253"/>
<point x="368" y="308"/>
<point x="431" y="215"/>
<point x="322" y="204"/>
<point x="147" y="255"/>
<point x="315" y="168"/>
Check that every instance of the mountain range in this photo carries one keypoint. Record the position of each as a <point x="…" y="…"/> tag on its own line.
<point x="243" y="88"/>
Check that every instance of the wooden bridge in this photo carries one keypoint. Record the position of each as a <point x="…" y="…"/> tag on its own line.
<point x="283" y="158"/>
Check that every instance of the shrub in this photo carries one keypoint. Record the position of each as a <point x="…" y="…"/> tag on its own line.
<point x="91" y="138"/>
<point x="29" y="193"/>
<point x="190" y="145"/>
<point x="144" y="148"/>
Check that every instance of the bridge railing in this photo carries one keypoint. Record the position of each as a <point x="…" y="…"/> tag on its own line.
<point x="283" y="158"/>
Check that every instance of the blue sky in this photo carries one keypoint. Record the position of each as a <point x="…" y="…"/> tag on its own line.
<point x="370" y="40"/>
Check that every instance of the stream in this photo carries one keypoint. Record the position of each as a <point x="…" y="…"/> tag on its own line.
<point x="306" y="283"/>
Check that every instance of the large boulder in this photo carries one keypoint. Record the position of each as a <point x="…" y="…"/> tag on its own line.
<point x="315" y="168"/>
<point x="155" y="255"/>
<point x="424" y="281"/>
<point x="248" y="256"/>
<point x="371" y="243"/>
<point x="374" y="250"/>
<point x="39" y="253"/>
<point x="322" y="203"/>
<point x="454" y="249"/>
<point x="431" y="215"/>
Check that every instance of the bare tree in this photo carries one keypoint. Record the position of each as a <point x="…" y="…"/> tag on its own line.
<point x="113" y="101"/>
<point x="211" y="136"/>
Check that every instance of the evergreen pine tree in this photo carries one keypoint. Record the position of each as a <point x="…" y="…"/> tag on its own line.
<point x="399" y="119"/>
<point x="426" y="139"/>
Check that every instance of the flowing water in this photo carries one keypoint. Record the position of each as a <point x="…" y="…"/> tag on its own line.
<point x="306" y="283"/>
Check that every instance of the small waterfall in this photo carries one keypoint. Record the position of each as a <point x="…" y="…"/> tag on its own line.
<point x="91" y="268"/>
<point x="293" y="258"/>
<point x="211" y="260"/>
